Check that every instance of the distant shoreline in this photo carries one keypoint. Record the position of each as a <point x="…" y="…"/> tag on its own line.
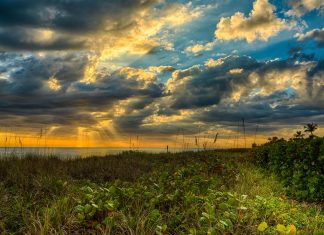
<point x="96" y="151"/>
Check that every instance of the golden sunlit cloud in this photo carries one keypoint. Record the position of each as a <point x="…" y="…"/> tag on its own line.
<point x="200" y="47"/>
<point x="161" y="69"/>
<point x="278" y="80"/>
<point x="140" y="38"/>
<point x="261" y="24"/>
<point x="300" y="7"/>
<point x="213" y="63"/>
<point x="316" y="34"/>
<point x="143" y="75"/>
<point x="236" y="71"/>
<point x="54" y="84"/>
<point x="43" y="34"/>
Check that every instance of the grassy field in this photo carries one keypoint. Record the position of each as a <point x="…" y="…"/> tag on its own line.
<point x="205" y="192"/>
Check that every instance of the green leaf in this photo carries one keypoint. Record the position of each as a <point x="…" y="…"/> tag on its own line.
<point x="87" y="208"/>
<point x="79" y="208"/>
<point x="206" y="215"/>
<point x="223" y="222"/>
<point x="223" y="206"/>
<point x="192" y="231"/>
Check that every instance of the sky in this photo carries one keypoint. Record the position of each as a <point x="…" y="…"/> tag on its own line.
<point x="151" y="73"/>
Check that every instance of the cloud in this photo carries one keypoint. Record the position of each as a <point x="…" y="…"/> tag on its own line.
<point x="21" y="39"/>
<point x="243" y="87"/>
<point x="271" y="117"/>
<point x="261" y="24"/>
<point x="54" y="84"/>
<point x="78" y="67"/>
<point x="236" y="71"/>
<point x="300" y="7"/>
<point x="197" y="48"/>
<point x="161" y="69"/>
<point x="105" y="29"/>
<point x="198" y="86"/>
<point x="213" y="63"/>
<point x="316" y="34"/>
<point x="149" y="30"/>
<point x="46" y="91"/>
<point x="70" y="20"/>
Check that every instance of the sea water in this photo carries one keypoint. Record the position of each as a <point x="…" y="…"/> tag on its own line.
<point x="78" y="152"/>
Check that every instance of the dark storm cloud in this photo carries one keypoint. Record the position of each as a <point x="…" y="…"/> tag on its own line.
<point x="71" y="18"/>
<point x="174" y="128"/>
<point x="26" y="93"/>
<point x="139" y="104"/>
<point x="134" y="121"/>
<point x="294" y="92"/>
<point x="68" y="15"/>
<point x="202" y="87"/>
<point x="207" y="86"/>
<point x="22" y="39"/>
<point x="131" y="122"/>
<point x="206" y="92"/>
<point x="260" y="113"/>
<point x="28" y="73"/>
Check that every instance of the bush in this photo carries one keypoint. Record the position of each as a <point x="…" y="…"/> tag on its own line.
<point x="298" y="163"/>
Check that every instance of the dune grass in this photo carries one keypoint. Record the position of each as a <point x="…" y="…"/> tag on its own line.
<point x="138" y="193"/>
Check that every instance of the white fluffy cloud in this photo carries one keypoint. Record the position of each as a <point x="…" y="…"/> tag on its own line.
<point x="261" y="24"/>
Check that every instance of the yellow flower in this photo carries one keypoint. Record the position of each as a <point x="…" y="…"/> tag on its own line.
<point x="263" y="226"/>
<point x="281" y="228"/>
<point x="291" y="229"/>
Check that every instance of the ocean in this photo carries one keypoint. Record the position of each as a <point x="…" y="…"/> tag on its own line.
<point x="77" y="152"/>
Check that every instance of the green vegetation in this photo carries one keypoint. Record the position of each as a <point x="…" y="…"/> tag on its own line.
<point x="299" y="163"/>
<point x="208" y="192"/>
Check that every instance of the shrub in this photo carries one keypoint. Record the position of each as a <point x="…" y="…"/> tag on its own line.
<point x="298" y="163"/>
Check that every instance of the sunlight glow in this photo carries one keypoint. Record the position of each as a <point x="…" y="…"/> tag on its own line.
<point x="54" y="84"/>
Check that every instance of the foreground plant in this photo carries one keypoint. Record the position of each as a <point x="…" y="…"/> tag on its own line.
<point x="192" y="200"/>
<point x="298" y="163"/>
